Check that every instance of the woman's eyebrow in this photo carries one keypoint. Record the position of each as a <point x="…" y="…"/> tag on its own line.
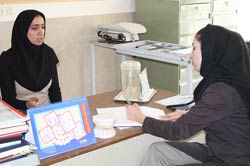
<point x="37" y="24"/>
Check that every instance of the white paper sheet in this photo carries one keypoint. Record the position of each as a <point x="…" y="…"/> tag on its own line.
<point x="121" y="117"/>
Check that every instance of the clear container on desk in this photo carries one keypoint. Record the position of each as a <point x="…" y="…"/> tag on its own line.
<point x="131" y="86"/>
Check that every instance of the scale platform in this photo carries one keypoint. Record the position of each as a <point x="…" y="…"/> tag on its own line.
<point x="167" y="52"/>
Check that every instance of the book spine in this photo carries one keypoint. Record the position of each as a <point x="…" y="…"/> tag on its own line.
<point x="9" y="130"/>
<point x="10" y="143"/>
<point x="11" y="135"/>
<point x="15" y="151"/>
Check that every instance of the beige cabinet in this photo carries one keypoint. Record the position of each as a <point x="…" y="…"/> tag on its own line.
<point x="224" y="13"/>
<point x="171" y="21"/>
<point x="192" y="17"/>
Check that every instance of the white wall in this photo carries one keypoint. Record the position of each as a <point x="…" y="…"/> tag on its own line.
<point x="8" y="12"/>
<point x="68" y="9"/>
<point x="243" y="19"/>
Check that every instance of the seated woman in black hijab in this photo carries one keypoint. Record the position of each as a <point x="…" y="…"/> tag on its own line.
<point x="28" y="69"/>
<point x="222" y="107"/>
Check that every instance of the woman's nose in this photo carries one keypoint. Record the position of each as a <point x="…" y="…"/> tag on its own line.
<point x="41" y="32"/>
<point x="190" y="56"/>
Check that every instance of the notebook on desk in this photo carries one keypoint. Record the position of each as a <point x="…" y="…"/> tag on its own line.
<point x="62" y="127"/>
<point x="181" y="102"/>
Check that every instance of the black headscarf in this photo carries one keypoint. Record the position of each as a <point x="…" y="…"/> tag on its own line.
<point x="29" y="63"/>
<point x="225" y="58"/>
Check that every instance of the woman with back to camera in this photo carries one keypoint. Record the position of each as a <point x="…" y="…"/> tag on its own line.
<point x="28" y="69"/>
<point x="222" y="107"/>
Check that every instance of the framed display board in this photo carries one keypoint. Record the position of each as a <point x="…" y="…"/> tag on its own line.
<point x="62" y="127"/>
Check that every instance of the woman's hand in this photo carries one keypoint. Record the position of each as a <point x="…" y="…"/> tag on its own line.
<point x="173" y="115"/>
<point x="134" y="113"/>
<point x="32" y="102"/>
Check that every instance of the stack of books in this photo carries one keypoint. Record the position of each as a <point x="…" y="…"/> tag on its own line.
<point x="13" y="126"/>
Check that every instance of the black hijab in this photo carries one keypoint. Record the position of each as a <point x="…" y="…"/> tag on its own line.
<point x="225" y="58"/>
<point x="31" y="65"/>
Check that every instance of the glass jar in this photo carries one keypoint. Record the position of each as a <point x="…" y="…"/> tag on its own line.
<point x="131" y="86"/>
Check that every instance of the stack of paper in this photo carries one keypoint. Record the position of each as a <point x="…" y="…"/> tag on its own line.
<point x="174" y="100"/>
<point x="179" y="102"/>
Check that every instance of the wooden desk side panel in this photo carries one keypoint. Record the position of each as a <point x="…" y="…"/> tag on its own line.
<point x="125" y="153"/>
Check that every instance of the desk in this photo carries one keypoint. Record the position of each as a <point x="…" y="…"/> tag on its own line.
<point x="128" y="138"/>
<point x="153" y="56"/>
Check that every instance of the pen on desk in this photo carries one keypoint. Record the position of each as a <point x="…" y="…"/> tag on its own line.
<point x="128" y="102"/>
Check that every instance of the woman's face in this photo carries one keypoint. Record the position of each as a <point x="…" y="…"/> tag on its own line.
<point x="195" y="55"/>
<point x="36" y="31"/>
